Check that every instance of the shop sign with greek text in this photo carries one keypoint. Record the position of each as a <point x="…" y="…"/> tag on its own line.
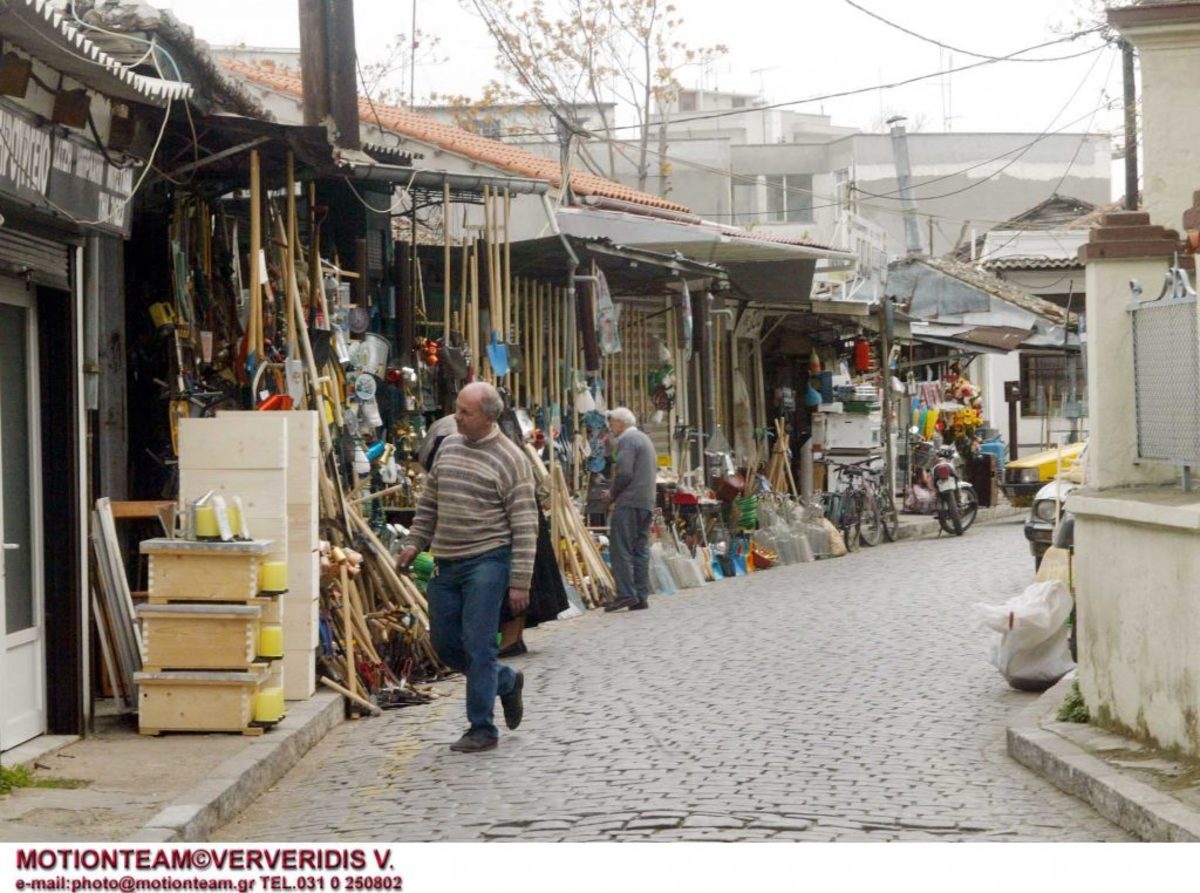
<point x="51" y="169"/>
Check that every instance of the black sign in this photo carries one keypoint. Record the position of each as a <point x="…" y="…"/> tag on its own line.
<point x="44" y="166"/>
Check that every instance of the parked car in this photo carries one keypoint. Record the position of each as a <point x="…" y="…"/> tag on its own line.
<point x="1044" y="514"/>
<point x="1024" y="477"/>
<point x="1045" y="510"/>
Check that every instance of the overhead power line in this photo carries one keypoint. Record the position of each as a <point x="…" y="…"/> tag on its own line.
<point x="602" y="132"/>
<point x="945" y="46"/>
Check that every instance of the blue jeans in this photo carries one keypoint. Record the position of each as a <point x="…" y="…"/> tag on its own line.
<point x="629" y="549"/>
<point x="464" y="616"/>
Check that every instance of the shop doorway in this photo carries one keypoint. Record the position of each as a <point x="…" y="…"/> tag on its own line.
<point x="22" y="645"/>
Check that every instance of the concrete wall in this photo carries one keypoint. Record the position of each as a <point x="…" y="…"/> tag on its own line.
<point x="1168" y="45"/>
<point x="1139" y="620"/>
<point x="1137" y="536"/>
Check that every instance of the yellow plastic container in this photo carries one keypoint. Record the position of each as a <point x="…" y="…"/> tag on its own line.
<point x="272" y="576"/>
<point x="268" y="705"/>
<point x="206" y="522"/>
<point x="270" y="641"/>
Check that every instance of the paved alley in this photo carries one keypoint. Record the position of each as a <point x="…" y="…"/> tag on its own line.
<point x="842" y="700"/>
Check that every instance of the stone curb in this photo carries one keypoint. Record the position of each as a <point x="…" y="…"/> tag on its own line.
<point x="914" y="529"/>
<point x="237" y="782"/>
<point x="1133" y="805"/>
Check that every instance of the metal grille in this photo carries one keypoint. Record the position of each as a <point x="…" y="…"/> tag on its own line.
<point x="1166" y="361"/>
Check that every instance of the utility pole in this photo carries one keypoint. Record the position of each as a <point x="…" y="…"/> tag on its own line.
<point x="329" y="67"/>
<point x="343" y="72"/>
<point x="314" y="62"/>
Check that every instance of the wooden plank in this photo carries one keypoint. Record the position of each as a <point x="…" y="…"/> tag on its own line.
<point x="233" y="440"/>
<point x="141" y="510"/>
<point x="301" y="626"/>
<point x="303" y="457"/>
<point x="261" y="491"/>
<point x="299" y="674"/>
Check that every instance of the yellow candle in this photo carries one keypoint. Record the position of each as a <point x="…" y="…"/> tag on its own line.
<point x="206" y="522"/>
<point x="270" y="640"/>
<point x="272" y="576"/>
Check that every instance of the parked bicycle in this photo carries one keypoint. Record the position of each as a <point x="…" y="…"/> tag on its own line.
<point x="861" y="507"/>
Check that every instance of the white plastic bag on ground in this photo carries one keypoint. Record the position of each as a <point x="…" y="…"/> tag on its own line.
<point x="1029" y="645"/>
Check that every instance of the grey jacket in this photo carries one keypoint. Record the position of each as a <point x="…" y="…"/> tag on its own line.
<point x="637" y="471"/>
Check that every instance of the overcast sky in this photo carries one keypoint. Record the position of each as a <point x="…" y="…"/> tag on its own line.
<point x="786" y="51"/>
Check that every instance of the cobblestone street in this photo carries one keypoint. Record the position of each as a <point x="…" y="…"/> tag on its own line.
<point x="843" y="700"/>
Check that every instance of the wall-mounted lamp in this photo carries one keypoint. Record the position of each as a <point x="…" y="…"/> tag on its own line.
<point x="71" y="108"/>
<point x="14" y="75"/>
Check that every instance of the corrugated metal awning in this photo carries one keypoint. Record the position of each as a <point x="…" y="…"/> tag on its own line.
<point x="43" y="32"/>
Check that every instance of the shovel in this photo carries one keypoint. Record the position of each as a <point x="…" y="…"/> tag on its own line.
<point x="497" y="354"/>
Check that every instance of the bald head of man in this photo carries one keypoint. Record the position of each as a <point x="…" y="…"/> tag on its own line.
<point x="478" y="406"/>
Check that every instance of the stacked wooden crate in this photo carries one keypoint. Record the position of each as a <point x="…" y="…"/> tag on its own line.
<point x="200" y="638"/>
<point x="243" y="454"/>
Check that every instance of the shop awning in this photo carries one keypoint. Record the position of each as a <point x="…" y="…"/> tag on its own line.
<point x="46" y="34"/>
<point x="631" y="272"/>
<point x="760" y="268"/>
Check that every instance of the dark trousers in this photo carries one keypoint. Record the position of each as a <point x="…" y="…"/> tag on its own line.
<point x="629" y="549"/>
<point x="464" y="612"/>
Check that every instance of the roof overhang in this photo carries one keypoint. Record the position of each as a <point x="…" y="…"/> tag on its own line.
<point x="431" y="179"/>
<point x="631" y="272"/>
<point x="761" y="270"/>
<point x="44" y="33"/>
<point x="700" y="240"/>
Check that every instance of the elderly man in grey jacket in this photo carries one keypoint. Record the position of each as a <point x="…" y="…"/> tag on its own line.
<point x="632" y="498"/>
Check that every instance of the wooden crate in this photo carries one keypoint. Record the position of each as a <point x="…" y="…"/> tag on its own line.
<point x="199" y="637"/>
<point x="184" y="570"/>
<point x="198" y="701"/>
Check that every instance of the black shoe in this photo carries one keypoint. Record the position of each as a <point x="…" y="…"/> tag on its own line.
<point x="516" y="649"/>
<point x="640" y="606"/>
<point x="625" y="601"/>
<point x="474" y="741"/>
<point x="513" y="703"/>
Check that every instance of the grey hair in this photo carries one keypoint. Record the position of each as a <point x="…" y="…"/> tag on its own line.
<point x="491" y="404"/>
<point x="624" y="416"/>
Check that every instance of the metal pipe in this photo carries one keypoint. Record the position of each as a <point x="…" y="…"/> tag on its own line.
<point x="1131" y="150"/>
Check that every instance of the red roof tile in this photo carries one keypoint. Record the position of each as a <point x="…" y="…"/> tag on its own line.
<point x="514" y="159"/>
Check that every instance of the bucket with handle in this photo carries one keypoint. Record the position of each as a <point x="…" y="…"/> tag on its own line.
<point x="371" y="354"/>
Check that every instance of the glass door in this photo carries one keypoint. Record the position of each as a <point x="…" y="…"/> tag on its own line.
<point x="22" y="659"/>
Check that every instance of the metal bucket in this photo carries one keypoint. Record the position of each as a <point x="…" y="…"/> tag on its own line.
<point x="371" y="354"/>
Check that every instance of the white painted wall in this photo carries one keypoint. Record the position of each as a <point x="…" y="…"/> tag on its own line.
<point x="1168" y="55"/>
<point x="1137" y="556"/>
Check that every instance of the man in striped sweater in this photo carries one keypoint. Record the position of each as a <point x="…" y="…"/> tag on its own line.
<point x="478" y="516"/>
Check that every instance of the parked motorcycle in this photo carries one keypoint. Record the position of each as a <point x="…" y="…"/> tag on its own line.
<point x="957" y="503"/>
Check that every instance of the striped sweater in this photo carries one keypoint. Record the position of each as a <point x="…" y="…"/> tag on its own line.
<point x="478" y="497"/>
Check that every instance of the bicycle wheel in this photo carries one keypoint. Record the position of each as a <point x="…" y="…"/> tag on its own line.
<point x="889" y="517"/>
<point x="849" y="522"/>
<point x="870" y="523"/>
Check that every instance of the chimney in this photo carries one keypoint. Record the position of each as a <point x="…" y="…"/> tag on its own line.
<point x="912" y="234"/>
